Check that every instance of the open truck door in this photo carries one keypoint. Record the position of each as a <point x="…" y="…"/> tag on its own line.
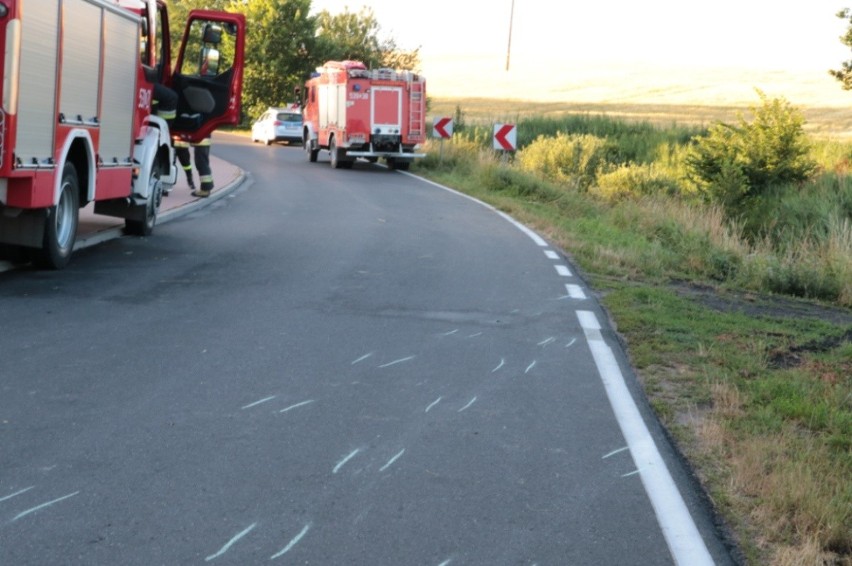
<point x="208" y="74"/>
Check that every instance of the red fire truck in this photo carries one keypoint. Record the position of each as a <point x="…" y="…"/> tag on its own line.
<point x="353" y="112"/>
<point x="78" y="119"/>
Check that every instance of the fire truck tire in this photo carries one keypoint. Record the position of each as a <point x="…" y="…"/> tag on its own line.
<point x="311" y="150"/>
<point x="60" y="229"/>
<point x="145" y="226"/>
<point x="335" y="156"/>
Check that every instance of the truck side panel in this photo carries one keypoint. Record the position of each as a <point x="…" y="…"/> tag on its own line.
<point x="37" y="85"/>
<point x="118" y="97"/>
<point x="81" y="47"/>
<point x="387" y="110"/>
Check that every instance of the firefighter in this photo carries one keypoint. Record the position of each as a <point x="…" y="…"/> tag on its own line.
<point x="166" y="101"/>
<point x="201" y="153"/>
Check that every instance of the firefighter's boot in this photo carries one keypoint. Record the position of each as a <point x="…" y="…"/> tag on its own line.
<point x="189" y="180"/>
<point x="206" y="187"/>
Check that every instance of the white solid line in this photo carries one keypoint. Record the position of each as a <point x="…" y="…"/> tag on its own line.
<point x="362" y="358"/>
<point x="292" y="543"/>
<point x="551" y="254"/>
<point x="297" y="405"/>
<point x="501" y="364"/>
<point x="535" y="237"/>
<point x="681" y="534"/>
<point x="432" y="404"/>
<point x="250" y="405"/>
<point x="11" y="495"/>
<point x="228" y="544"/>
<point x="563" y="270"/>
<point x="575" y="291"/>
<point x="529" y="367"/>
<point x="472" y="401"/>
<point x="399" y="361"/>
<point x="346" y="459"/>
<point x="43" y="505"/>
<point x="392" y="460"/>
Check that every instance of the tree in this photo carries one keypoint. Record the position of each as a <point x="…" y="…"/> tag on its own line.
<point x="844" y="75"/>
<point x="356" y="36"/>
<point x="279" y="40"/>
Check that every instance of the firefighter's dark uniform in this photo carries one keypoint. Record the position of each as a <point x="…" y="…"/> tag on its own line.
<point x="201" y="153"/>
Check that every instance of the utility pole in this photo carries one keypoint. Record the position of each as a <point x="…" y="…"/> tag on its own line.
<point x="509" y="47"/>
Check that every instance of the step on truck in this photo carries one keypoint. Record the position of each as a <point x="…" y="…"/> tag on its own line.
<point x="355" y="112"/>
<point x="78" y="114"/>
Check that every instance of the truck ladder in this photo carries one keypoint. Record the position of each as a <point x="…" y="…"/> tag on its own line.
<point x="415" y="123"/>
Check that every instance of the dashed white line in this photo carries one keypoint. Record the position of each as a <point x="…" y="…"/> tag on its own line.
<point x="43" y="505"/>
<point x="432" y="404"/>
<point x="231" y="542"/>
<point x="292" y="543"/>
<point x="679" y="529"/>
<point x="344" y="460"/>
<point x="501" y="364"/>
<point x="392" y="460"/>
<point x="563" y="270"/>
<point x="11" y="495"/>
<point x="472" y="401"/>
<point x="399" y="361"/>
<point x="264" y="400"/>
<point x="551" y="254"/>
<point x="575" y="291"/>
<point x="296" y="406"/>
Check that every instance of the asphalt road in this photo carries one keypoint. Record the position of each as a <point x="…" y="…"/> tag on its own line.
<point x="332" y="367"/>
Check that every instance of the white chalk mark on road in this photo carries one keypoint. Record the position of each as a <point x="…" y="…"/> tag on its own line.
<point x="231" y="542"/>
<point x="11" y="495"/>
<point x="544" y="343"/>
<point x="362" y="358"/>
<point x="392" y="460"/>
<point x="501" y="364"/>
<point x="399" y="361"/>
<point x="432" y="404"/>
<point x="475" y="334"/>
<point x="264" y="400"/>
<point x="571" y="343"/>
<point x="472" y="401"/>
<point x="529" y="367"/>
<point x="296" y="406"/>
<point x="43" y="505"/>
<point x="292" y="543"/>
<point x="450" y="333"/>
<point x="614" y="452"/>
<point x="346" y="459"/>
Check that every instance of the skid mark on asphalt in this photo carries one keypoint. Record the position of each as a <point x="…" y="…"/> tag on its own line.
<point x="292" y="543"/>
<point x="32" y="510"/>
<point x="231" y="542"/>
<point x="296" y="406"/>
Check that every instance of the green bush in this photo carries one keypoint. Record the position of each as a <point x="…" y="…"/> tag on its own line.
<point x="570" y="159"/>
<point x="735" y="164"/>
<point x="626" y="181"/>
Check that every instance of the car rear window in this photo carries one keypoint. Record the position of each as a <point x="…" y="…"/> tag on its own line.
<point x="289" y="117"/>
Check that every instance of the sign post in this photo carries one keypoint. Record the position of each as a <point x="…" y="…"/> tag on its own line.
<point x="505" y="138"/>
<point x="442" y="128"/>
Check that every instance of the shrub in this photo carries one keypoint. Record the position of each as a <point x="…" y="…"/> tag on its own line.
<point x="633" y="180"/>
<point x="735" y="164"/>
<point x="570" y="159"/>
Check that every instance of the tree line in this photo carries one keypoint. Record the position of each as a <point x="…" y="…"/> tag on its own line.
<point x="285" y="43"/>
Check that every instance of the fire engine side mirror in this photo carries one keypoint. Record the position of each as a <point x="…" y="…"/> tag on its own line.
<point x="212" y="34"/>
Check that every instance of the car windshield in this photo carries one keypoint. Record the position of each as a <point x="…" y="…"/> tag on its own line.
<point x="289" y="117"/>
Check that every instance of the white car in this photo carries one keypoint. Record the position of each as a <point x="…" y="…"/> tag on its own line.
<point x="278" y="125"/>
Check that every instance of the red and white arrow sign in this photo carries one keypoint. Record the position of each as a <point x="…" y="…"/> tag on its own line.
<point x="443" y="128"/>
<point x="505" y="137"/>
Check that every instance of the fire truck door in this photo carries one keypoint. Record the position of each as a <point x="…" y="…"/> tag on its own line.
<point x="386" y="113"/>
<point x="208" y="73"/>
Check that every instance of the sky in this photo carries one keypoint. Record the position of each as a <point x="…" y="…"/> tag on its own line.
<point x="592" y="48"/>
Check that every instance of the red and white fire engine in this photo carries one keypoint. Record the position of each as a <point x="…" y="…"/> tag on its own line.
<point x="353" y="112"/>
<point x="76" y="118"/>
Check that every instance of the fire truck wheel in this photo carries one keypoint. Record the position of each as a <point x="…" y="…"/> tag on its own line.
<point x="145" y="226"/>
<point x="311" y="150"/>
<point x="335" y="157"/>
<point x="60" y="229"/>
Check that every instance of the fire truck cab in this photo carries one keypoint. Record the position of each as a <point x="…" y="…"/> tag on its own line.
<point x="79" y="119"/>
